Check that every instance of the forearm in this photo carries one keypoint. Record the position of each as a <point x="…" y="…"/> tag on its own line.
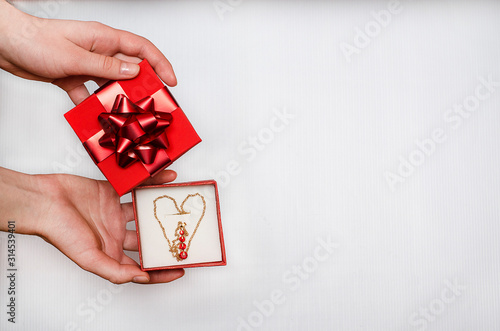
<point x="19" y="194"/>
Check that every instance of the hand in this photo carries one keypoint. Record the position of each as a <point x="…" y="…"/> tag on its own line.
<point x="81" y="217"/>
<point x="69" y="53"/>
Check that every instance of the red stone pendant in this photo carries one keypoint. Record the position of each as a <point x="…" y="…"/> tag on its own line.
<point x="179" y="247"/>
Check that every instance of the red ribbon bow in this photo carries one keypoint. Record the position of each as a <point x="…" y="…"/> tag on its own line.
<point x="135" y="131"/>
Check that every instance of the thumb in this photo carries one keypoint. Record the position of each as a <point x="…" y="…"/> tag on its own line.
<point x="98" y="65"/>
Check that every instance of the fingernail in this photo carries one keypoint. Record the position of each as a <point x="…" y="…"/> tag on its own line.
<point x="140" y="279"/>
<point x="129" y="69"/>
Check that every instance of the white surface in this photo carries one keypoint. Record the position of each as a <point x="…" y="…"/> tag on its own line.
<point x="320" y="176"/>
<point x="205" y="244"/>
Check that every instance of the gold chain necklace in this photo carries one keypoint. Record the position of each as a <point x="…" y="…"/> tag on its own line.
<point x="177" y="247"/>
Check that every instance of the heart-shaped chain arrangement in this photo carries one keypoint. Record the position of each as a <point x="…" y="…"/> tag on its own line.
<point x="178" y="247"/>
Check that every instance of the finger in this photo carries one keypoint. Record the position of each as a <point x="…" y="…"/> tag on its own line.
<point x="163" y="177"/>
<point x="128" y="260"/>
<point x="131" y="59"/>
<point x="100" y="81"/>
<point x="108" y="268"/>
<point x="78" y="94"/>
<point x="109" y="41"/>
<point x="165" y="276"/>
<point x="136" y="46"/>
<point x="130" y="242"/>
<point x="102" y="66"/>
<point x="75" y="87"/>
<point x="128" y="212"/>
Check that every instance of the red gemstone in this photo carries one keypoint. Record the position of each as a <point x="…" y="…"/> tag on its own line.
<point x="182" y="239"/>
<point x="183" y="255"/>
<point x="182" y="246"/>
<point x="181" y="232"/>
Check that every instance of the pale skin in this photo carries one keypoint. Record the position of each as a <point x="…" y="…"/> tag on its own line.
<point x="81" y="217"/>
<point x="69" y="53"/>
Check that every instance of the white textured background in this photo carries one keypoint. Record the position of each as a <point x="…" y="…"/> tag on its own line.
<point x="321" y="178"/>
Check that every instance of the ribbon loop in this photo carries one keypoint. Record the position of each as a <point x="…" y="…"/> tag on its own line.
<point x="135" y="131"/>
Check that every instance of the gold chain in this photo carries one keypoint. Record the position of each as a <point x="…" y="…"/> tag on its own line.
<point x="173" y="245"/>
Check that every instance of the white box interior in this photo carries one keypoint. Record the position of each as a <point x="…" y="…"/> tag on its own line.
<point x="205" y="244"/>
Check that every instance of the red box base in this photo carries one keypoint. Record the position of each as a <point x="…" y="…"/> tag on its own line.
<point x="221" y="236"/>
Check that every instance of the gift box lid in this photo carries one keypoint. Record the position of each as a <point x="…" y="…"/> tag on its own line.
<point x="115" y="126"/>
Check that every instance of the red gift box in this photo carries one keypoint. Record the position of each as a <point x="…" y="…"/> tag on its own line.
<point x="132" y="129"/>
<point x="147" y="222"/>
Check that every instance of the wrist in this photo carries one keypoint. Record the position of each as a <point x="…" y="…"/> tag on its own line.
<point x="20" y="202"/>
<point x="6" y="10"/>
<point x="14" y="27"/>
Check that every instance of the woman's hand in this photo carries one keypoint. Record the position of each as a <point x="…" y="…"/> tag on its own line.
<point x="69" y="53"/>
<point x="81" y="217"/>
